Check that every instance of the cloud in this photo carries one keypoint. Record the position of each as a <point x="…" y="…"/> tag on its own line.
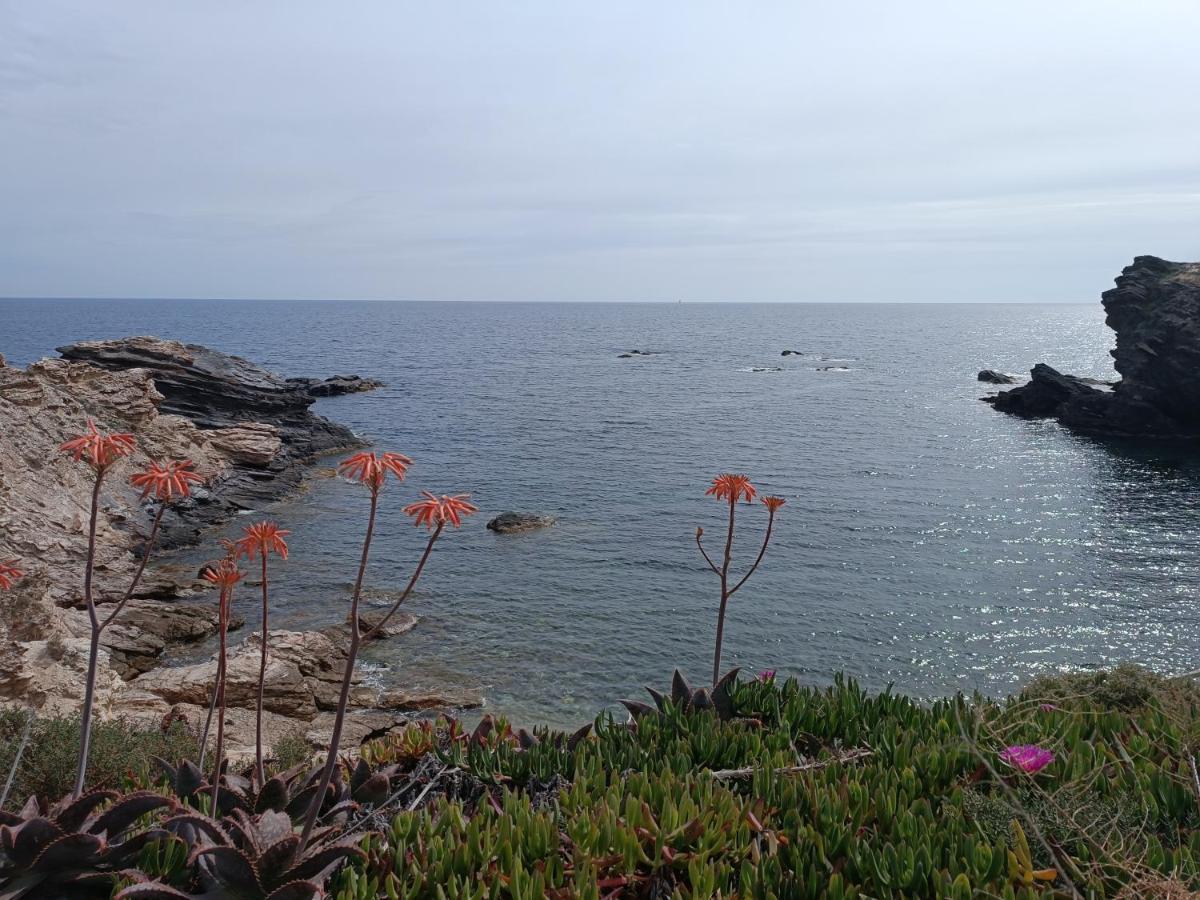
<point x="614" y="151"/>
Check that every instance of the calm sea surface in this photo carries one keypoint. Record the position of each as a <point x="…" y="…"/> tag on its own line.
<point x="928" y="541"/>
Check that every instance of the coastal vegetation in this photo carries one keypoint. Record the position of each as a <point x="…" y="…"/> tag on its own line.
<point x="1080" y="786"/>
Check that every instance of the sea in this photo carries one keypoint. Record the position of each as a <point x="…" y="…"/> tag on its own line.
<point x="929" y="543"/>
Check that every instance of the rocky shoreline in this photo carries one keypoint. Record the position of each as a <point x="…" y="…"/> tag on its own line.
<point x="253" y="437"/>
<point x="1154" y="310"/>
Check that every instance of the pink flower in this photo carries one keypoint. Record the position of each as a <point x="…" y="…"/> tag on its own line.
<point x="1029" y="758"/>
<point x="766" y="676"/>
<point x="1047" y="707"/>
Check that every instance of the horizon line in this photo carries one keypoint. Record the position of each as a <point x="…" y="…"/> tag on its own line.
<point x="13" y="297"/>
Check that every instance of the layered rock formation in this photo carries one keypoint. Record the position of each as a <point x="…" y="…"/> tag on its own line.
<point x="250" y="434"/>
<point x="261" y="423"/>
<point x="1155" y="312"/>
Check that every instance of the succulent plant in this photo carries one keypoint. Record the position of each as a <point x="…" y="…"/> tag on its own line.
<point x="253" y="857"/>
<point x="684" y="697"/>
<point x="74" y="847"/>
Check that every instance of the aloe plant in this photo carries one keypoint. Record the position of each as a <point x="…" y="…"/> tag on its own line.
<point x="75" y="846"/>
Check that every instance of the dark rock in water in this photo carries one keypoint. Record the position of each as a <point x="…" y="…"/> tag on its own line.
<point x="1155" y="312"/>
<point x="991" y="376"/>
<point x="791" y="353"/>
<point x="510" y="522"/>
<point x="1045" y="395"/>
<point x="625" y="356"/>
<point x="336" y="386"/>
<point x="263" y="421"/>
<point x="833" y="369"/>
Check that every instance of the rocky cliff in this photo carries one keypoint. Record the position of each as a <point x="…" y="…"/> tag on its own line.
<point x="250" y="434"/>
<point x="1154" y="311"/>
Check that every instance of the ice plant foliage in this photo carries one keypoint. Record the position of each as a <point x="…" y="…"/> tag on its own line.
<point x="1028" y="758"/>
<point x="167" y="481"/>
<point x="730" y="488"/>
<point x="9" y="573"/>
<point x="434" y="511"/>
<point x="97" y="449"/>
<point x="261" y="540"/>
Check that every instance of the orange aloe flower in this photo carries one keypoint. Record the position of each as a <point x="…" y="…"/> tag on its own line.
<point x="8" y="574"/>
<point x="372" y="470"/>
<point x="773" y="503"/>
<point x="97" y="449"/>
<point x="732" y="488"/>
<point x="435" y="510"/>
<point x="260" y="539"/>
<point x="166" y="482"/>
<point x="225" y="574"/>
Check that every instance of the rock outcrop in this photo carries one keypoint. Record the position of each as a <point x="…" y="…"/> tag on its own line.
<point x="991" y="376"/>
<point x="250" y="435"/>
<point x="336" y="385"/>
<point x="511" y="522"/>
<point x="261" y="422"/>
<point x="1155" y="313"/>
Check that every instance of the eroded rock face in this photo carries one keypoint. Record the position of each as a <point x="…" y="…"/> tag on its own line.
<point x="241" y="402"/>
<point x="991" y="376"/>
<point x="1155" y="312"/>
<point x="336" y="385"/>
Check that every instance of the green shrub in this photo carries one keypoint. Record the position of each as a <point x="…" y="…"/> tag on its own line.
<point x="122" y="754"/>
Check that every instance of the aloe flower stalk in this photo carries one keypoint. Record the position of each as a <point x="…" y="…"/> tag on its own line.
<point x="225" y="575"/>
<point x="731" y="488"/>
<point x="261" y="540"/>
<point x="434" y="513"/>
<point x="164" y="483"/>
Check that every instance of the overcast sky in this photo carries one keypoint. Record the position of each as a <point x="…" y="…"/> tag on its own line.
<point x="595" y="151"/>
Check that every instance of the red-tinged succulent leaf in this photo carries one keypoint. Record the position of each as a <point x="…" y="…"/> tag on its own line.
<point x="637" y="708"/>
<point x="152" y="890"/>
<point x="188" y="779"/>
<point x="340" y="811"/>
<point x="114" y="820"/>
<point x="374" y="789"/>
<point x="485" y="727"/>
<point x="681" y="691"/>
<point x="70" y="815"/>
<point x="31" y="808"/>
<point x="21" y="886"/>
<point x="192" y="824"/>
<point x="71" y="851"/>
<point x="273" y="827"/>
<point x="299" y="803"/>
<point x="121" y="853"/>
<point x="579" y="736"/>
<point x="317" y="861"/>
<point x="8" y="818"/>
<point x="297" y="890"/>
<point x="362" y="771"/>
<point x="720" y="694"/>
<point x="701" y="700"/>
<point x="24" y="842"/>
<point x="274" y="795"/>
<point x="229" y="867"/>
<point x="275" y="859"/>
<point x="660" y="699"/>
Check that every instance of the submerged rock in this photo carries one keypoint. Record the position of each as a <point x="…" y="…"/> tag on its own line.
<point x="336" y="386"/>
<point x="510" y="522"/>
<point x="1155" y="312"/>
<point x="791" y="353"/>
<point x="991" y="376"/>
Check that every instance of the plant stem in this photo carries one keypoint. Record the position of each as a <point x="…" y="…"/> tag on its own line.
<point x="408" y="587"/>
<point x="137" y="577"/>
<point x="89" y="693"/>
<point x="223" y="625"/>
<point x="335" y="739"/>
<point x="724" y="593"/>
<point x="262" y="675"/>
<point x="761" y="553"/>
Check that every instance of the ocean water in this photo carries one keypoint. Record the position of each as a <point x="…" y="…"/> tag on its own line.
<point x="927" y="541"/>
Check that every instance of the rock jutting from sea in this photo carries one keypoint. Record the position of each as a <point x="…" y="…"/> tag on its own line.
<point x="1154" y="310"/>
<point x="252" y="437"/>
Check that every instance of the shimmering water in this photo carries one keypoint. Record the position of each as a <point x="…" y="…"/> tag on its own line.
<point x="928" y="541"/>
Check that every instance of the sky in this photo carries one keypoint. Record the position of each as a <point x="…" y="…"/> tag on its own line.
<point x="632" y="151"/>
